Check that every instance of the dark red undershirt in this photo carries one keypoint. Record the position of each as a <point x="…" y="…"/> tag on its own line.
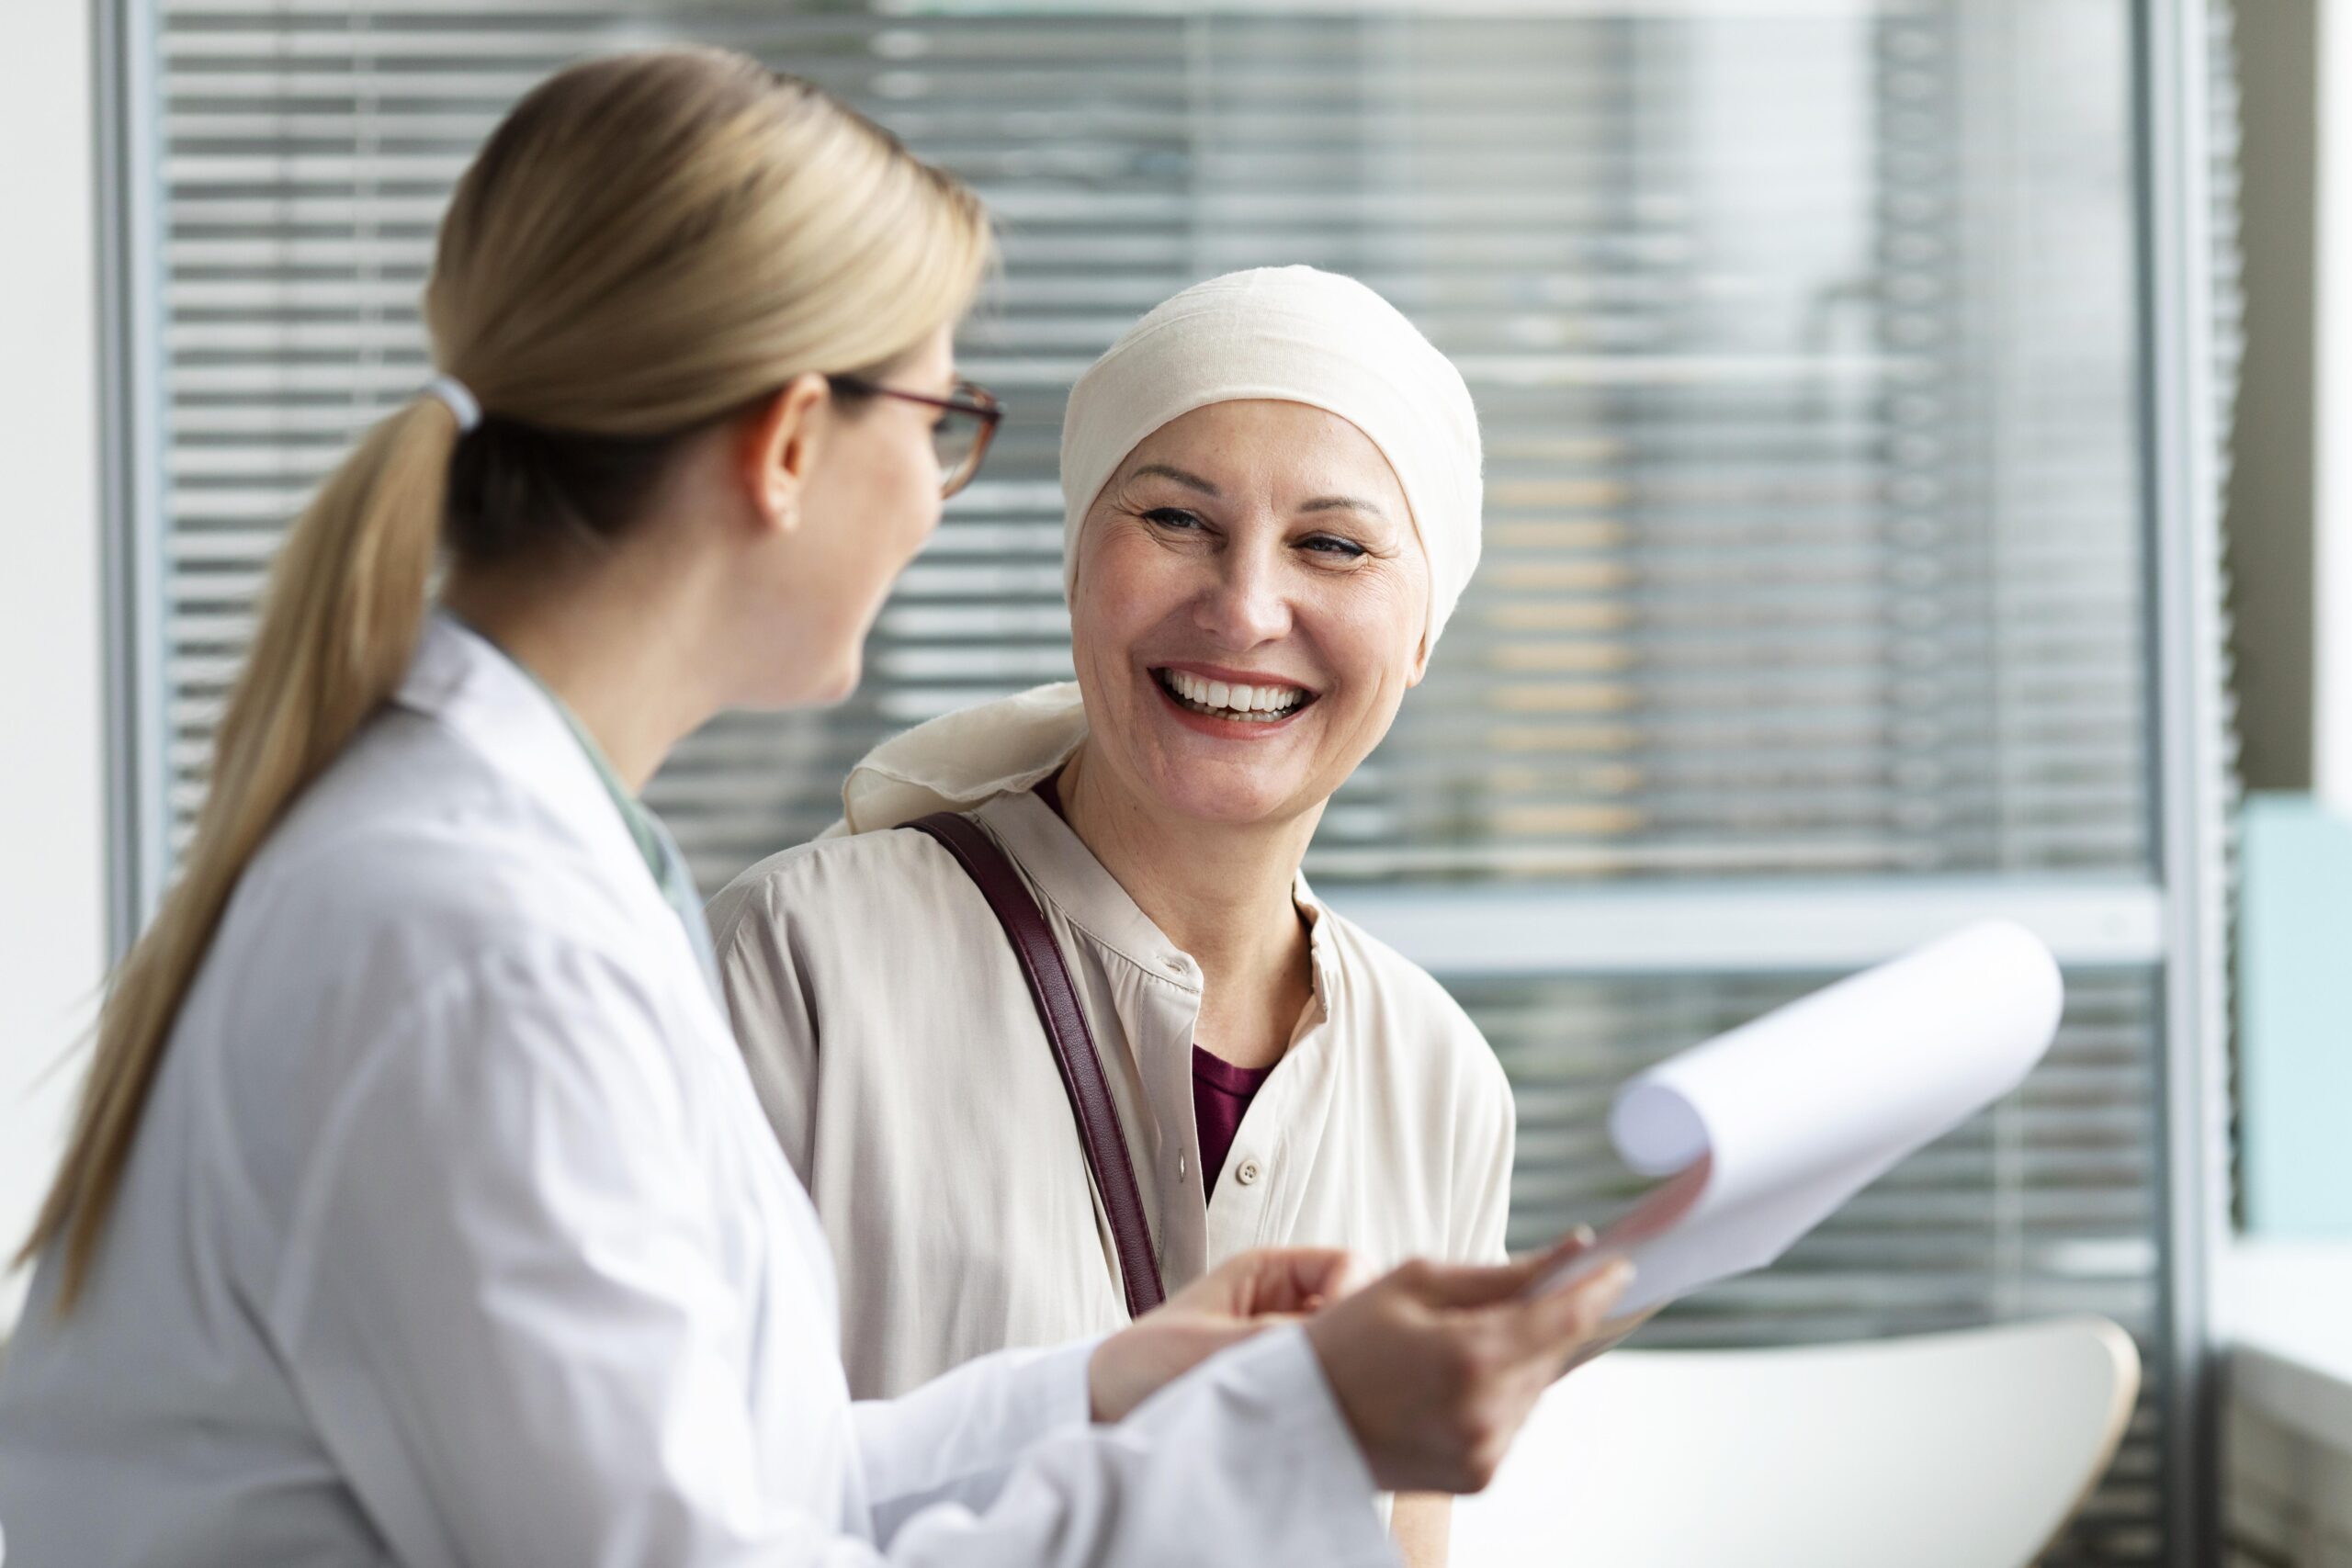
<point x="1221" y="1091"/>
<point x="1221" y="1097"/>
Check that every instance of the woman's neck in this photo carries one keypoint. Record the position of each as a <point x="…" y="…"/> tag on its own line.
<point x="616" y="646"/>
<point x="1221" y="892"/>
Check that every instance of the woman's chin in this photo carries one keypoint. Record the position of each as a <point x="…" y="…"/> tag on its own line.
<point x="839" y="687"/>
<point x="808" y="689"/>
<point x="1228" y="801"/>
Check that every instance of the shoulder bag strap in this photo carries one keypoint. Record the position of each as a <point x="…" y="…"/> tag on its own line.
<point x="1081" y="1067"/>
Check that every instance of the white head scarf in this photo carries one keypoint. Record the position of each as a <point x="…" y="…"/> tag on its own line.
<point x="1289" y="334"/>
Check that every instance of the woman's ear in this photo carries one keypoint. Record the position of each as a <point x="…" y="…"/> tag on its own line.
<point x="781" y="440"/>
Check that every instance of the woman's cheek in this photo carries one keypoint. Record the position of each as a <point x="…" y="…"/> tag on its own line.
<point x="1363" y="633"/>
<point x="1388" y="637"/>
<point x="1121" y="595"/>
<point x="924" y="503"/>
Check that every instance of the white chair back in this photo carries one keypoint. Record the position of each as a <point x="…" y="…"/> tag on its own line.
<point x="1947" y="1451"/>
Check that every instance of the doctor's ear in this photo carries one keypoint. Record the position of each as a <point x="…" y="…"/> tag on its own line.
<point x="781" y="438"/>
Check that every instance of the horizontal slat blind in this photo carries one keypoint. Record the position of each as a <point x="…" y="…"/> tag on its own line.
<point x="1803" y="340"/>
<point x="1812" y="524"/>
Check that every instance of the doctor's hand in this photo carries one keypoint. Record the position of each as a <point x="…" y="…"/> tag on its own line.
<point x="1237" y="1299"/>
<point x="1436" y="1367"/>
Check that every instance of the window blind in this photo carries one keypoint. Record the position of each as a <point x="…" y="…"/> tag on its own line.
<point x="1812" y="537"/>
<point x="1803" y="335"/>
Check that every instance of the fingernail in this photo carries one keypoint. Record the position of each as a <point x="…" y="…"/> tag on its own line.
<point x="1584" y="1235"/>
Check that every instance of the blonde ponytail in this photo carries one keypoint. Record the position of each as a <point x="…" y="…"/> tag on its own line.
<point x="647" y="244"/>
<point x="345" y="601"/>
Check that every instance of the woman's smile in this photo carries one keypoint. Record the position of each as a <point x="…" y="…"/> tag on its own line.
<point x="1230" y="703"/>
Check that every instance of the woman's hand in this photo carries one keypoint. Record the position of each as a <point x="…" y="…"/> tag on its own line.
<point x="1435" y="1367"/>
<point x="1237" y="1299"/>
<point x="1611" y="1334"/>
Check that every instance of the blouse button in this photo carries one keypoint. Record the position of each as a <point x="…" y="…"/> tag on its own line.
<point x="1248" y="1174"/>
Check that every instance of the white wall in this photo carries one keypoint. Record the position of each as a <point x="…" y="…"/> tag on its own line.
<point x="52" y="906"/>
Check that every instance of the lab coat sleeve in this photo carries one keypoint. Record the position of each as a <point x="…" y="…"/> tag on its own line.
<point x="957" y="1437"/>
<point x="500" y="1299"/>
<point x="1245" y="1460"/>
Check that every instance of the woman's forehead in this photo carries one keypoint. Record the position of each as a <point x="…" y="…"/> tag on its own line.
<point x="1264" y="443"/>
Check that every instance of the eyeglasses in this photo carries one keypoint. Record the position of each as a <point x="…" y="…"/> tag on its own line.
<point x="961" y="435"/>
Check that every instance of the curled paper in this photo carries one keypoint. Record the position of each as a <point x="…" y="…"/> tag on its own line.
<point x="1765" y="1131"/>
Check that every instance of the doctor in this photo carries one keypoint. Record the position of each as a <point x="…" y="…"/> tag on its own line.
<point x="419" y="1209"/>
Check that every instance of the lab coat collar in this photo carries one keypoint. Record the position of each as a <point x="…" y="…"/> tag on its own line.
<point x="459" y="678"/>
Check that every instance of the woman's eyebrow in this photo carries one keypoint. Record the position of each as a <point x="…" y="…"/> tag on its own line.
<point x="1345" y="503"/>
<point x="1169" y="471"/>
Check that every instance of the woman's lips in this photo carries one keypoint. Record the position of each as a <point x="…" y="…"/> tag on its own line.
<point x="1230" y="709"/>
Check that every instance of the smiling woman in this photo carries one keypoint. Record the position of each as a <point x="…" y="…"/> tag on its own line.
<point x="1249" y="575"/>
<point x="1273" y="502"/>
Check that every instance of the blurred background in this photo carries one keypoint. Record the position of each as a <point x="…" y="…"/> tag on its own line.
<point x="1904" y="494"/>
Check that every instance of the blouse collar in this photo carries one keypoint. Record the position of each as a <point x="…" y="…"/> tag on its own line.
<point x="1068" y="874"/>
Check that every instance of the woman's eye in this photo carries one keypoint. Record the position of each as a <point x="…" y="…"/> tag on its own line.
<point x="1332" y="545"/>
<point x="1171" y="517"/>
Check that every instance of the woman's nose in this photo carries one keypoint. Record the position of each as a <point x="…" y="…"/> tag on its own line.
<point x="1247" y="602"/>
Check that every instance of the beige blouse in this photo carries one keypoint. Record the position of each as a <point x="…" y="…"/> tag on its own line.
<point x="893" y="1042"/>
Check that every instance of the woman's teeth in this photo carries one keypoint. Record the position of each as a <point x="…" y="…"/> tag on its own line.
<point x="1220" y="699"/>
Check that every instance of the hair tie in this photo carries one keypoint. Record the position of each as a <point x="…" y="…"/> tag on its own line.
<point x="460" y="402"/>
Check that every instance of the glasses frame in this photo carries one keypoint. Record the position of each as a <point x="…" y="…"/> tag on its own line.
<point x="968" y="399"/>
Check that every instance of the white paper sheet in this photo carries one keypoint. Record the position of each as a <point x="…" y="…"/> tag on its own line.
<point x="1767" y="1130"/>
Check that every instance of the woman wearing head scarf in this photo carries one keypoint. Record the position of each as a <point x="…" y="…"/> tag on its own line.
<point x="1272" y="489"/>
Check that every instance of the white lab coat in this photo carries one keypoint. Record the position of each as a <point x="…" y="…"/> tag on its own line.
<point x="454" y="1236"/>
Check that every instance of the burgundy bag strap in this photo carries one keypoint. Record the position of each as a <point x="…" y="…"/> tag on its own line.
<point x="1081" y="1067"/>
